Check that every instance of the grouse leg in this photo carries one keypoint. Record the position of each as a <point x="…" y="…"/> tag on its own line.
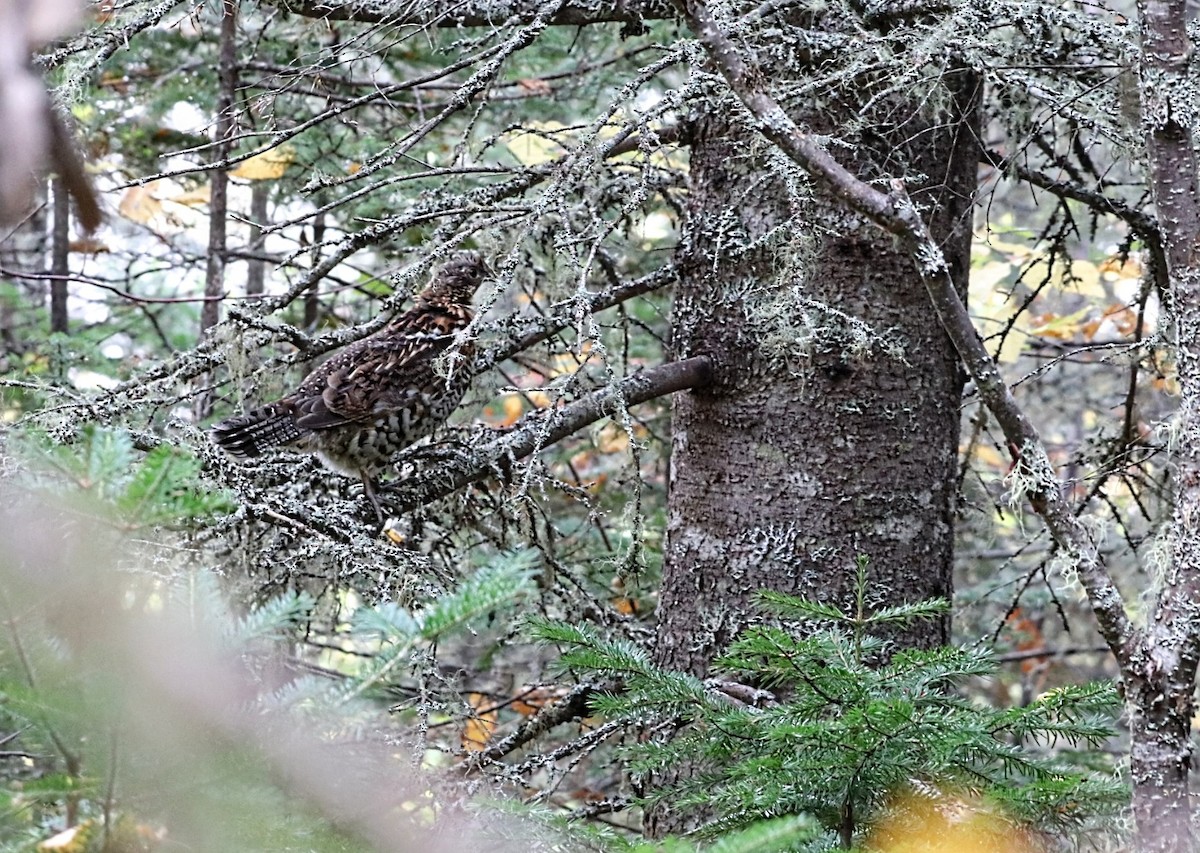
<point x="373" y="497"/>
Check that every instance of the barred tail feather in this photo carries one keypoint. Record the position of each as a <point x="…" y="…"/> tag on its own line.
<point x="250" y="435"/>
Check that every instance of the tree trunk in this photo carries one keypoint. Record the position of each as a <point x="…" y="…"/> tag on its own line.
<point x="218" y="212"/>
<point x="214" y="277"/>
<point x="1159" y="671"/>
<point x="60" y="255"/>
<point x="256" y="267"/>
<point x="1160" y="715"/>
<point x="831" y="429"/>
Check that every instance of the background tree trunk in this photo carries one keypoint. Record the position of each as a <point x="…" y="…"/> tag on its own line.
<point x="60" y="255"/>
<point x="227" y="73"/>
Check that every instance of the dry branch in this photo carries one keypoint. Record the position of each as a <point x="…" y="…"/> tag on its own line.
<point x="563" y="314"/>
<point x="570" y="707"/>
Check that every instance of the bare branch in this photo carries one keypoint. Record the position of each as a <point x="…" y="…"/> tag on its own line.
<point x="572" y="706"/>
<point x="1142" y="223"/>
<point x="107" y="41"/>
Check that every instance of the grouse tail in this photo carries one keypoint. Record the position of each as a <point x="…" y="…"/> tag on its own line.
<point x="249" y="435"/>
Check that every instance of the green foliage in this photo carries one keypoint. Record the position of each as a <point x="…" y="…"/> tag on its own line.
<point x="102" y="467"/>
<point x="400" y="631"/>
<point x="851" y="722"/>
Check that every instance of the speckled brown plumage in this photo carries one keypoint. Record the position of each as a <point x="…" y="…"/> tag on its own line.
<point x="377" y="396"/>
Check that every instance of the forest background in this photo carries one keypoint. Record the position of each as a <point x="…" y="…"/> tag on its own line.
<point x="832" y="452"/>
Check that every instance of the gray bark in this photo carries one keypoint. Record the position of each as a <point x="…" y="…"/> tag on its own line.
<point x="214" y="279"/>
<point x="800" y="459"/>
<point x="256" y="267"/>
<point x="1159" y="669"/>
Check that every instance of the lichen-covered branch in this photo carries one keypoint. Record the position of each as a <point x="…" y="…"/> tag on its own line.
<point x="477" y="14"/>
<point x="104" y="42"/>
<point x="570" y="707"/>
<point x="561" y="315"/>
<point x="541" y="429"/>
<point x="895" y="213"/>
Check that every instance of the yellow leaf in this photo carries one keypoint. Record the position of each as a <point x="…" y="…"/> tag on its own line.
<point x="612" y="439"/>
<point x="505" y="412"/>
<point x="1085" y="279"/>
<point x="1011" y="349"/>
<point x="1114" y="269"/>
<point x="267" y="166"/>
<point x="989" y="457"/>
<point x="480" y="726"/>
<point x="72" y="840"/>
<point x="1063" y="328"/>
<point x="141" y="204"/>
<point x="1167" y="384"/>
<point x="198" y="197"/>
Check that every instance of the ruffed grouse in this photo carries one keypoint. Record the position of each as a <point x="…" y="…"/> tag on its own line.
<point x="377" y="396"/>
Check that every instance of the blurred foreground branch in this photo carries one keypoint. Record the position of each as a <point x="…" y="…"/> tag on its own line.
<point x="183" y="700"/>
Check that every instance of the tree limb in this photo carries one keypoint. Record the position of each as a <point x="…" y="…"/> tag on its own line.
<point x="1145" y="225"/>
<point x="572" y="706"/>
<point x="895" y="213"/>
<point x="562" y="314"/>
<point x="103" y="43"/>
<point x="447" y="13"/>
<point x="542" y="428"/>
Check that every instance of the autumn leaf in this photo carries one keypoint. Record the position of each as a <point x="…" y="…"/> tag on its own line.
<point x="533" y="699"/>
<point x="505" y="411"/>
<point x="141" y="204"/>
<point x="480" y="725"/>
<point x="196" y="197"/>
<point x="268" y="166"/>
<point x="1062" y="327"/>
<point x="88" y="246"/>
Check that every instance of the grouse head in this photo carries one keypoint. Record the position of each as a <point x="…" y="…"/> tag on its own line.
<point x="457" y="280"/>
